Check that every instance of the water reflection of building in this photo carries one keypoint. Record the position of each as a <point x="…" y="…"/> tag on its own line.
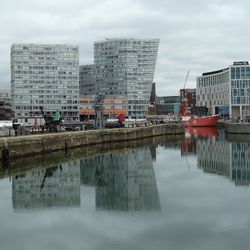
<point x="88" y="169"/>
<point x="188" y="146"/>
<point x="231" y="159"/>
<point x="124" y="179"/>
<point x="57" y="186"/>
<point x="213" y="156"/>
<point x="240" y="158"/>
<point x="153" y="152"/>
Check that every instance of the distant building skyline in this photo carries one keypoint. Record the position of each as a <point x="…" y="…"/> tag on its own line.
<point x="123" y="69"/>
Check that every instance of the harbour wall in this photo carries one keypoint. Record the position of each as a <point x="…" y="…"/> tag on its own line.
<point x="237" y="128"/>
<point x="22" y="164"/>
<point x="14" y="147"/>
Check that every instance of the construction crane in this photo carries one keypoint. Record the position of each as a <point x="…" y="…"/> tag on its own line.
<point x="186" y="79"/>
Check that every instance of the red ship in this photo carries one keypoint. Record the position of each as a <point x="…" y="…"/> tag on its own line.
<point x="204" y="121"/>
<point x="189" y="120"/>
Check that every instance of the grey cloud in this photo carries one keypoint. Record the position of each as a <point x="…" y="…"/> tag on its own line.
<point x="195" y="35"/>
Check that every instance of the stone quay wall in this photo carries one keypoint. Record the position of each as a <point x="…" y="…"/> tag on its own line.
<point x="13" y="147"/>
<point x="237" y="128"/>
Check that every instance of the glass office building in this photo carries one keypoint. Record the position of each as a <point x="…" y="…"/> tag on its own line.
<point x="167" y="105"/>
<point x="226" y="91"/>
<point x="125" y="69"/>
<point x="45" y="75"/>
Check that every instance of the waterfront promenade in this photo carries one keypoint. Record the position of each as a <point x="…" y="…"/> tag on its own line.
<point x="36" y="144"/>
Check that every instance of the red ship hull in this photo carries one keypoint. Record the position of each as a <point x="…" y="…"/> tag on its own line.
<point x="205" y="121"/>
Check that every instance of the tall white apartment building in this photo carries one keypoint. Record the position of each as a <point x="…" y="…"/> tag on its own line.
<point x="124" y="68"/>
<point x="226" y="91"/>
<point x="45" y="75"/>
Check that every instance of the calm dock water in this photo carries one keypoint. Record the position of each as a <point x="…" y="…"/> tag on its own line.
<point x="158" y="193"/>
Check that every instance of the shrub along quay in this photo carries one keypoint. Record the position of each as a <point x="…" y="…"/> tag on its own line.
<point x="13" y="147"/>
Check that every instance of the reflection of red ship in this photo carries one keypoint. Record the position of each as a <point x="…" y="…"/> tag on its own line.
<point x="188" y="146"/>
<point x="203" y="132"/>
<point x="204" y="121"/>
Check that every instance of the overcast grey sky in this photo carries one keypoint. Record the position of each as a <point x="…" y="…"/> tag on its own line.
<point x="199" y="35"/>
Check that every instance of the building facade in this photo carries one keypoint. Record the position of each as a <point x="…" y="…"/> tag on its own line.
<point x="5" y="105"/>
<point x="112" y="107"/>
<point x="125" y="69"/>
<point x="187" y="100"/>
<point x="45" y="75"/>
<point x="152" y="99"/>
<point x="226" y="91"/>
<point x="167" y="105"/>
<point x="87" y="86"/>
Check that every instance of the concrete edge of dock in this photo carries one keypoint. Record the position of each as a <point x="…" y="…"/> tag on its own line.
<point x="237" y="128"/>
<point x="13" y="147"/>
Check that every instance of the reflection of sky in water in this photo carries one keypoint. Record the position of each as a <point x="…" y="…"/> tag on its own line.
<point x="199" y="210"/>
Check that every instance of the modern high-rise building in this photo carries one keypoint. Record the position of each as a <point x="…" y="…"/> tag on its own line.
<point x="45" y="75"/>
<point x="87" y="85"/>
<point x="226" y="91"/>
<point x="125" y="69"/>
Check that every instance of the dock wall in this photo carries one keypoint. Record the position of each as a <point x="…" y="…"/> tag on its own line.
<point x="237" y="128"/>
<point x="45" y="143"/>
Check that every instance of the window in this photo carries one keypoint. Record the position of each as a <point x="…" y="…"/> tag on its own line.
<point x="243" y="72"/>
<point x="247" y="72"/>
<point x="237" y="72"/>
<point x="233" y="73"/>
